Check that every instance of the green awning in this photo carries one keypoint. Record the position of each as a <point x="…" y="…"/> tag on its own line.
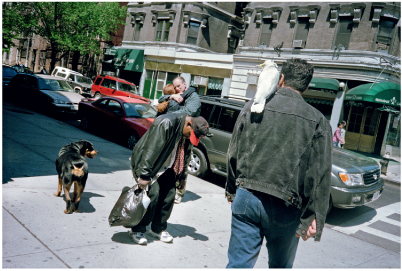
<point x="324" y="83"/>
<point x="129" y="59"/>
<point x="383" y="93"/>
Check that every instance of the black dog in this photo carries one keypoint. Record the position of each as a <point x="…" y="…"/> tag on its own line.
<point x="73" y="168"/>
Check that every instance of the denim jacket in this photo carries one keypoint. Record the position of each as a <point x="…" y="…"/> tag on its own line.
<point x="286" y="152"/>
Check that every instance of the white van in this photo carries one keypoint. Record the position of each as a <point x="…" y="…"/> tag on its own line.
<point x="76" y="80"/>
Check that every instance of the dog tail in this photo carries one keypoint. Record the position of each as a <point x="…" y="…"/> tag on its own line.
<point x="77" y="171"/>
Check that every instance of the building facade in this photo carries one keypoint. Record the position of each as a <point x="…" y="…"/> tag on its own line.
<point x="215" y="46"/>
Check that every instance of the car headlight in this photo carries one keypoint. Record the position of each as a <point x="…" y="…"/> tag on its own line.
<point x="57" y="101"/>
<point x="351" y="179"/>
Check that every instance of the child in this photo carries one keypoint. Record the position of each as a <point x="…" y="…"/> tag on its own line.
<point x="170" y="105"/>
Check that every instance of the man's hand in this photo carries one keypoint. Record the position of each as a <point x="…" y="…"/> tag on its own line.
<point x="142" y="184"/>
<point x="176" y="97"/>
<point x="311" y="231"/>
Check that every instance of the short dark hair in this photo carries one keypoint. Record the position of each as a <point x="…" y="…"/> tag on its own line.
<point x="297" y="74"/>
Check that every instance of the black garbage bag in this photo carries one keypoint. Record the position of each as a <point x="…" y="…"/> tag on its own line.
<point x="130" y="208"/>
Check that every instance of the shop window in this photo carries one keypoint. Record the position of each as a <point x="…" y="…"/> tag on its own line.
<point x="370" y="123"/>
<point x="266" y="31"/>
<point x="192" y="34"/>
<point x="355" y="120"/>
<point x="214" y="86"/>
<point x="394" y="133"/>
<point x="345" y="27"/>
<point x="162" y="30"/>
<point x="302" y="28"/>
<point x="137" y="31"/>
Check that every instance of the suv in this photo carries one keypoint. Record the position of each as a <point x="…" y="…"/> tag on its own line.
<point x="363" y="185"/>
<point x="81" y="84"/>
<point x="113" y="86"/>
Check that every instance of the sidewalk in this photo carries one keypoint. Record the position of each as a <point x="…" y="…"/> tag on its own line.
<point x="37" y="234"/>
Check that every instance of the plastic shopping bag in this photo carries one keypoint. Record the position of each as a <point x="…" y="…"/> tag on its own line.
<point x="130" y="208"/>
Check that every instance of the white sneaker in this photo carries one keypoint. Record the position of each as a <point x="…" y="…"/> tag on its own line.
<point x="177" y="199"/>
<point x="164" y="236"/>
<point x="138" y="237"/>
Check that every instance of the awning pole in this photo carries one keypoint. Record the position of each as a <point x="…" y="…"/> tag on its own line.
<point x="377" y="77"/>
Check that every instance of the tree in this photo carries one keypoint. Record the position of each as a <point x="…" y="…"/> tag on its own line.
<point x="73" y="26"/>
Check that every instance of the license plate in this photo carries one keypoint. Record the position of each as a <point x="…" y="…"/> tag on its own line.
<point x="74" y="107"/>
<point x="376" y="195"/>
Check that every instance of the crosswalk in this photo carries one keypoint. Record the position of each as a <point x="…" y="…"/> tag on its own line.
<point x="389" y="214"/>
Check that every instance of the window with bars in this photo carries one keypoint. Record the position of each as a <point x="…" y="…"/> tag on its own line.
<point x="192" y="34"/>
<point x="302" y="28"/>
<point x="162" y="30"/>
<point x="137" y="31"/>
<point x="345" y="27"/>
<point x="266" y="31"/>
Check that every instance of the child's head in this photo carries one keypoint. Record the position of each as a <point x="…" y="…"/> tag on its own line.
<point x="169" y="90"/>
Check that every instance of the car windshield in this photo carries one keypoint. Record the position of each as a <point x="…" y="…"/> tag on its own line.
<point x="134" y="110"/>
<point x="126" y="87"/>
<point x="54" y="84"/>
<point x="84" y="80"/>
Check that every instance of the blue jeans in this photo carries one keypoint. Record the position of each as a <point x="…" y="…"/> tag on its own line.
<point x="257" y="215"/>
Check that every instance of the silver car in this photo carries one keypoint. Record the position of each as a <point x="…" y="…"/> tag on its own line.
<point x="355" y="178"/>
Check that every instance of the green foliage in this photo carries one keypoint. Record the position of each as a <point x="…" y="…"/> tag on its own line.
<point x="68" y="26"/>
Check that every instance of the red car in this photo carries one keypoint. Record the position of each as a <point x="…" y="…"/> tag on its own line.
<point x="123" y="118"/>
<point x="114" y="86"/>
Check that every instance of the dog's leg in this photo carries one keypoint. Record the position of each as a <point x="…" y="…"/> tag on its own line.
<point x="74" y="192"/>
<point x="66" y="188"/>
<point x="57" y="194"/>
<point x="80" y="190"/>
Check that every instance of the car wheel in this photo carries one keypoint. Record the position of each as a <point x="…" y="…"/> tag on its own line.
<point x="132" y="140"/>
<point x="330" y="205"/>
<point x="198" y="165"/>
<point x="84" y="124"/>
<point x="97" y="96"/>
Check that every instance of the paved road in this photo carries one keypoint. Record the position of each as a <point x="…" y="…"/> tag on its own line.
<point x="37" y="234"/>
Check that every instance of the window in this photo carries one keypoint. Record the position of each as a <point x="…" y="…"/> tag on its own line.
<point x="224" y="118"/>
<point x="345" y="27"/>
<point x="386" y="30"/>
<point x="355" y="121"/>
<point x="303" y="26"/>
<point x="114" y="107"/>
<point x="42" y="58"/>
<point x="98" y="80"/>
<point x="192" y="34"/>
<point x="214" y="86"/>
<point x="162" y="30"/>
<point x="71" y="77"/>
<point x="206" y="110"/>
<point x="266" y="31"/>
<point x="137" y="30"/>
<point x="109" y="83"/>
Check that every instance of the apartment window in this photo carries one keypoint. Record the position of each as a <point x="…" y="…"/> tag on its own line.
<point x="266" y="31"/>
<point x="42" y="58"/>
<point x="302" y="28"/>
<point x="137" y="31"/>
<point x="162" y="30"/>
<point x="345" y="27"/>
<point x="386" y="30"/>
<point x="192" y="34"/>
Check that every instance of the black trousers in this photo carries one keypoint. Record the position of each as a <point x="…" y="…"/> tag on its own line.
<point x="161" y="194"/>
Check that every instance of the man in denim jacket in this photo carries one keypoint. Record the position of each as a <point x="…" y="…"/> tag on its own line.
<point x="279" y="173"/>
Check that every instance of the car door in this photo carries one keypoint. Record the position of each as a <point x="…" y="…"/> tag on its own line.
<point x="113" y="113"/>
<point x="107" y="87"/>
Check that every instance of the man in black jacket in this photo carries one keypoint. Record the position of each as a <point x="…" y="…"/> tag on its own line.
<point x="279" y="173"/>
<point x="164" y="151"/>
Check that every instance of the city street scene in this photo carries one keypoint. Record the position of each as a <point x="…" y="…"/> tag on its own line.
<point x="104" y="76"/>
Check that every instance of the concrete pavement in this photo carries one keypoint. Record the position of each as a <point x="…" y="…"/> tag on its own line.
<point x="37" y="234"/>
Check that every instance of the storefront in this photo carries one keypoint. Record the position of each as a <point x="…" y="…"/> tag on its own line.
<point x="129" y="64"/>
<point x="373" y="118"/>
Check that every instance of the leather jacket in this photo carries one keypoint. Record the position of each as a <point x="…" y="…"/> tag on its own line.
<point x="286" y="152"/>
<point x="156" y="145"/>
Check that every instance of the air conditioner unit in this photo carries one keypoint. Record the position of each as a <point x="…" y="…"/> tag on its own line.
<point x="299" y="44"/>
<point x="201" y="81"/>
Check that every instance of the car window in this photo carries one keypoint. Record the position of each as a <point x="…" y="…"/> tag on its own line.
<point x="125" y="87"/>
<point x="114" y="107"/>
<point x="84" y="80"/>
<point x="102" y="104"/>
<point x="224" y="118"/>
<point x="61" y="74"/>
<point x="98" y="80"/>
<point x="54" y="72"/>
<point x="53" y="84"/>
<point x="107" y="83"/>
<point x="134" y="110"/>
<point x="206" y="110"/>
<point x="9" y="72"/>
<point x="31" y="82"/>
<point x="71" y="77"/>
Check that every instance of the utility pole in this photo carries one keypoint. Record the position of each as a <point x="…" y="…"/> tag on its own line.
<point x="26" y="57"/>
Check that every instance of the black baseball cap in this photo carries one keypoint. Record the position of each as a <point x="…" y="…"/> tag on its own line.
<point x="200" y="129"/>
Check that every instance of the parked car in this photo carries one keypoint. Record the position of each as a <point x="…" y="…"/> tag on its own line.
<point x="22" y="69"/>
<point x="80" y="83"/>
<point x="8" y="74"/>
<point x="355" y="178"/>
<point x="113" y="86"/>
<point x="44" y="92"/>
<point x="124" y="118"/>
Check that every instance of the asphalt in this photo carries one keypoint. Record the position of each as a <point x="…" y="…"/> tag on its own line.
<point x="37" y="234"/>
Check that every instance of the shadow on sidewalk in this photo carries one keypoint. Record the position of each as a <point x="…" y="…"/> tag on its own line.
<point x="85" y="206"/>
